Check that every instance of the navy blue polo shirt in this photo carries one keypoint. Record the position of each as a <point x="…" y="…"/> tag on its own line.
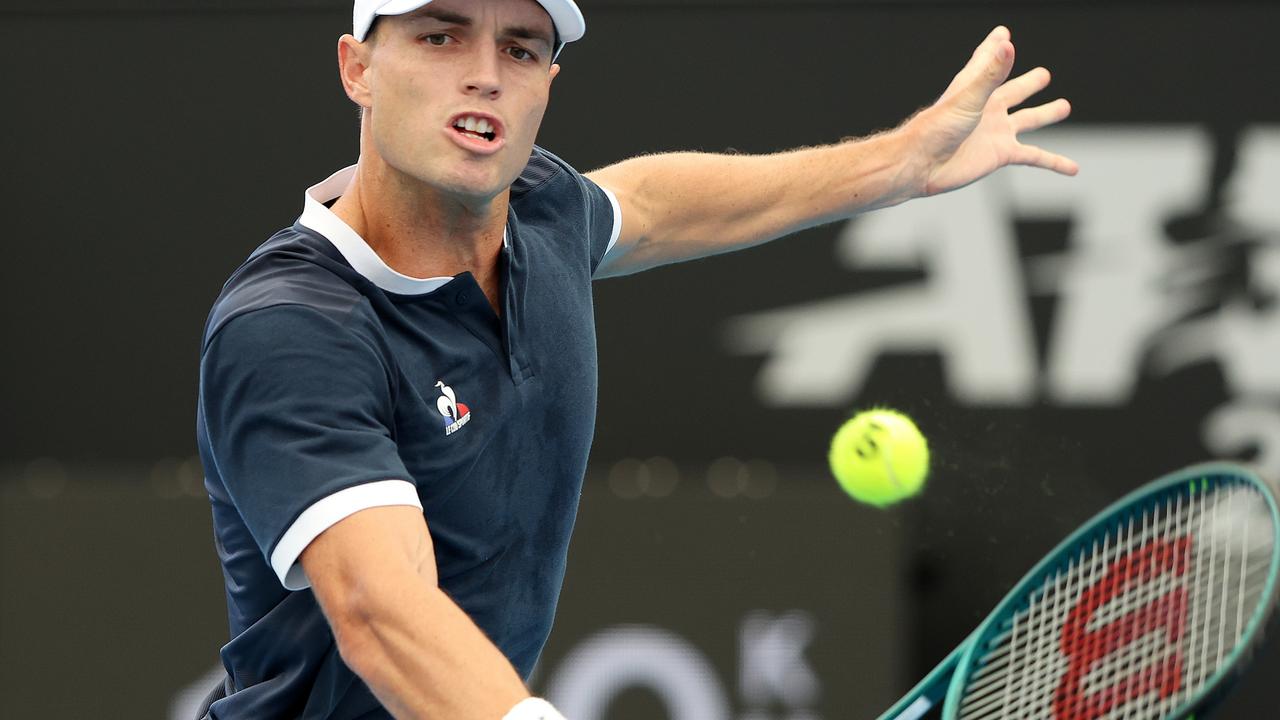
<point x="330" y="383"/>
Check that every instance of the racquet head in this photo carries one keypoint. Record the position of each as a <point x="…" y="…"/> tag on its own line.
<point x="1148" y="612"/>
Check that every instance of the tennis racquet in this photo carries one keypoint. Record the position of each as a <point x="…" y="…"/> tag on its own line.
<point x="1147" y="612"/>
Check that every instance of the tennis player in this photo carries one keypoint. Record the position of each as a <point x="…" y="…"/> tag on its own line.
<point x="398" y="392"/>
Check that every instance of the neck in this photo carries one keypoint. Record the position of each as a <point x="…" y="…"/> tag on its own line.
<point x="421" y="232"/>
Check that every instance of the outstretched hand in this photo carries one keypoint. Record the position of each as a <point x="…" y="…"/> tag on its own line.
<point x="970" y="131"/>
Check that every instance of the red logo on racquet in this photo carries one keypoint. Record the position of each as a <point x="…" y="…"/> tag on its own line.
<point x="1084" y="647"/>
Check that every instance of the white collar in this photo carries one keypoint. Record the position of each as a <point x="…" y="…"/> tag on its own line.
<point x="357" y="253"/>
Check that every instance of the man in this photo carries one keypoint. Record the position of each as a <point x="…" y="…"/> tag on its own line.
<point x="398" y="392"/>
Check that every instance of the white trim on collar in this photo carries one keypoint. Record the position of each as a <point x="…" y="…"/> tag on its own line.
<point x="357" y="253"/>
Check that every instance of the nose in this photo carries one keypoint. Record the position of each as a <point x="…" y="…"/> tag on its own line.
<point x="483" y="77"/>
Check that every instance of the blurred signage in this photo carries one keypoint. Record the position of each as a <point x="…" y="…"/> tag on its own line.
<point x="1172" y="258"/>
<point x="772" y="671"/>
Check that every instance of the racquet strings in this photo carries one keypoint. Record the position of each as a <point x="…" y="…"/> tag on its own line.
<point x="1138" y="619"/>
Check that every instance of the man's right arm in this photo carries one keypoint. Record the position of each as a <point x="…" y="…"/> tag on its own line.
<point x="374" y="574"/>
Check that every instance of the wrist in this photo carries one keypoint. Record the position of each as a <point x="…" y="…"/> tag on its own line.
<point x="916" y="163"/>
<point x="533" y="709"/>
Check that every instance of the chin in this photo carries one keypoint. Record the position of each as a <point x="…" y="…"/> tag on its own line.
<point x="472" y="188"/>
<point x="481" y="181"/>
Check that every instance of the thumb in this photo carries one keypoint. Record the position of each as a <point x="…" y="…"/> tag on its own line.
<point x="987" y="70"/>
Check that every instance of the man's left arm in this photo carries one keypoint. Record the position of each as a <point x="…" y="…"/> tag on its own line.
<point x="682" y="206"/>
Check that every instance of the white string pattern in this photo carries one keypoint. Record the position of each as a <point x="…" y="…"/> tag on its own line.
<point x="1137" y="621"/>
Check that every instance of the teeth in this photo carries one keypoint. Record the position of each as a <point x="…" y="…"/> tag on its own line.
<point x="475" y="125"/>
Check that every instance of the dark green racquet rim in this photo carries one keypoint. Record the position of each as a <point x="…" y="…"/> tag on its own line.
<point x="1188" y="482"/>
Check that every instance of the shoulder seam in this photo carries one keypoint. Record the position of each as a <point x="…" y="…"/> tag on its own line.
<point x="387" y="365"/>
<point x="562" y="168"/>
<point x="283" y="304"/>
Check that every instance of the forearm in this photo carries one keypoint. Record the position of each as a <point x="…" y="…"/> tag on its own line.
<point x="423" y="657"/>
<point x="374" y="575"/>
<point x="692" y="205"/>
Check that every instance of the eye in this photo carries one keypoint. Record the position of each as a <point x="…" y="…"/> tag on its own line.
<point x="437" y="39"/>
<point x="521" y="54"/>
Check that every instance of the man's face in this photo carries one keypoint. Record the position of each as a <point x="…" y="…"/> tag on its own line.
<point x="457" y="91"/>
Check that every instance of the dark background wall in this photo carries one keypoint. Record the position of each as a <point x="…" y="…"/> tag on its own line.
<point x="152" y="146"/>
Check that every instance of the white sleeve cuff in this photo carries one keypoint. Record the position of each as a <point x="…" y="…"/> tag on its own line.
<point x="617" y="220"/>
<point x="326" y="513"/>
<point x="533" y="709"/>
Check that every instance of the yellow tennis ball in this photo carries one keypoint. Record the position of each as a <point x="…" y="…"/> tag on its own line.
<point x="879" y="457"/>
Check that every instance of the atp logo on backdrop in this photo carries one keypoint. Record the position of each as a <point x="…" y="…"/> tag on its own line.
<point x="1172" y="259"/>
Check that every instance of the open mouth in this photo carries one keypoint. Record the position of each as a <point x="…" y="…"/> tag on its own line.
<point x="476" y="126"/>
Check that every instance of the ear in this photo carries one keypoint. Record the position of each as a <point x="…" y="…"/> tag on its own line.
<point x="555" y="70"/>
<point x="353" y="67"/>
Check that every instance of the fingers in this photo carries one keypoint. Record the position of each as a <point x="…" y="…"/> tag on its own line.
<point x="1029" y="119"/>
<point x="985" y="72"/>
<point x="994" y="57"/>
<point x="1016" y="91"/>
<point x="997" y="35"/>
<point x="1038" y="157"/>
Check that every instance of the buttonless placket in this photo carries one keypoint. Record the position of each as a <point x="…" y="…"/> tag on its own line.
<point x="513" y="273"/>
<point x="473" y="312"/>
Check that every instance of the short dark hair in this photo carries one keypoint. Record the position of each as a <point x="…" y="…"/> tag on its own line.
<point x="369" y="35"/>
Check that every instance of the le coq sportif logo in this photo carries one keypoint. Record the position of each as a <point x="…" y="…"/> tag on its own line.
<point x="455" y="414"/>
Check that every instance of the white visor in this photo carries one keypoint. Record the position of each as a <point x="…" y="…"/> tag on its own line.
<point x="565" y="15"/>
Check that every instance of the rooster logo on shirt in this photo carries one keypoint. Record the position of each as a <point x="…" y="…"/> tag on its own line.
<point x="455" y="413"/>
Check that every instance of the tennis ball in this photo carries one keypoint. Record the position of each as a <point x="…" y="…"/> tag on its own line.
<point x="879" y="457"/>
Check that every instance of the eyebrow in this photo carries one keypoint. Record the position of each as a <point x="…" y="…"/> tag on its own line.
<point x="452" y="18"/>
<point x="443" y="16"/>
<point x="526" y="33"/>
